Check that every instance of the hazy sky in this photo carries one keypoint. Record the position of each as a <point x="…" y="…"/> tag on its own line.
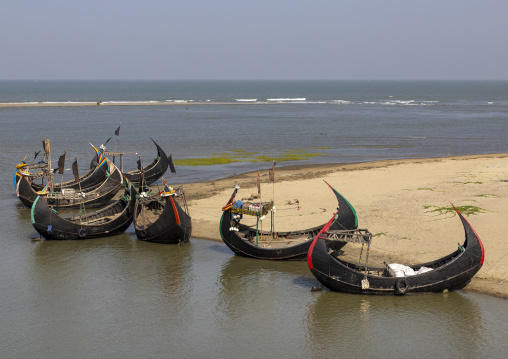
<point x="237" y="39"/>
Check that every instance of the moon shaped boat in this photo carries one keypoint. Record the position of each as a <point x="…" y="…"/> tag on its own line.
<point x="95" y="176"/>
<point x="66" y="198"/>
<point x="159" y="218"/>
<point x="110" y="220"/>
<point x="292" y="245"/>
<point x="451" y="272"/>
<point x="149" y="173"/>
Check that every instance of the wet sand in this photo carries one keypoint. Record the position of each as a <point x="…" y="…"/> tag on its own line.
<point x="397" y="200"/>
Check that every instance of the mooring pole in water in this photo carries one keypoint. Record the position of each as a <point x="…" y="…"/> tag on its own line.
<point x="257" y="223"/>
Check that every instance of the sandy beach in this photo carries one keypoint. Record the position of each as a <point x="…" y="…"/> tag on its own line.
<point x="401" y="202"/>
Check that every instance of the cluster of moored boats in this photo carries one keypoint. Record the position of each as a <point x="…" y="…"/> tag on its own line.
<point x="159" y="217"/>
<point x="105" y="201"/>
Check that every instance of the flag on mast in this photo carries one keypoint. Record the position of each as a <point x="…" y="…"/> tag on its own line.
<point x="271" y="172"/>
<point x="75" y="169"/>
<point x="171" y="165"/>
<point x="61" y="163"/>
<point x="46" y="146"/>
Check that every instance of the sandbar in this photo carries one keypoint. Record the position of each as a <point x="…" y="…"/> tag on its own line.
<point x="398" y="201"/>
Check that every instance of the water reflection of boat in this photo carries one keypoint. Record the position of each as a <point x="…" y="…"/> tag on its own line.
<point x="244" y="284"/>
<point x="391" y="327"/>
<point x="451" y="272"/>
<point x="244" y="240"/>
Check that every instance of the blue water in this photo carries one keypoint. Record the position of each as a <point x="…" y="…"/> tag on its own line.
<point x="340" y="121"/>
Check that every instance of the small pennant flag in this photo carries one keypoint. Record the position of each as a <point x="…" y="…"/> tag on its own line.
<point x="171" y="165"/>
<point x="117" y="132"/>
<point x="45" y="146"/>
<point x="61" y="164"/>
<point x="75" y="169"/>
<point x="271" y="172"/>
<point x="35" y="156"/>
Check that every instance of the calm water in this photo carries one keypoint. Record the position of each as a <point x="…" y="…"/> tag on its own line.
<point x="120" y="298"/>
<point x="338" y="121"/>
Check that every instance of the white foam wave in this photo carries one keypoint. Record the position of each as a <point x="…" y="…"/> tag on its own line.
<point x="342" y="102"/>
<point x="130" y="102"/>
<point x="61" y="102"/>
<point x="286" y="99"/>
<point x="246" y="99"/>
<point x="177" y="101"/>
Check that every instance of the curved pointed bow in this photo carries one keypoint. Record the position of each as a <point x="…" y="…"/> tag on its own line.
<point x="450" y="272"/>
<point x="344" y="219"/>
<point x="153" y="171"/>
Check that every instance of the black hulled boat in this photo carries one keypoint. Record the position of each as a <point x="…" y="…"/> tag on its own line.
<point x="451" y="272"/>
<point x="292" y="245"/>
<point x="150" y="173"/>
<point x="66" y="198"/>
<point x="95" y="176"/>
<point x="160" y="218"/>
<point x="113" y="219"/>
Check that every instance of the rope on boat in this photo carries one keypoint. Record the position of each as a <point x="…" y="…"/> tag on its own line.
<point x="125" y="197"/>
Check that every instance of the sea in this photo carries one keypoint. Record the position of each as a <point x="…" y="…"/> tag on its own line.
<point x="117" y="297"/>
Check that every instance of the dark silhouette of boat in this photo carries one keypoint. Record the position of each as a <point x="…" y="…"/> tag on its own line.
<point x="93" y="178"/>
<point x="66" y="198"/>
<point x="150" y="173"/>
<point x="451" y="272"/>
<point x="160" y="218"/>
<point x="113" y="219"/>
<point x="293" y="245"/>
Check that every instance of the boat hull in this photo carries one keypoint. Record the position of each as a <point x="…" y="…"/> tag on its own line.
<point x="108" y="221"/>
<point x="346" y="219"/>
<point x="451" y="272"/>
<point x="172" y="225"/>
<point x="93" y="196"/>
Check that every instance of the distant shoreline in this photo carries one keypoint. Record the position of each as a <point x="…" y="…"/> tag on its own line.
<point x="130" y="103"/>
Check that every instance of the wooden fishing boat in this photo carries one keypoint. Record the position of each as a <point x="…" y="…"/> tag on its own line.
<point x="95" y="176"/>
<point x="66" y="198"/>
<point x="160" y="218"/>
<point x="150" y="173"/>
<point x="293" y="245"/>
<point x="108" y="221"/>
<point x="451" y="272"/>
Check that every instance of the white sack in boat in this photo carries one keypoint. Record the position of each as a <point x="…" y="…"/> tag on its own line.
<point x="400" y="270"/>
<point x="423" y="270"/>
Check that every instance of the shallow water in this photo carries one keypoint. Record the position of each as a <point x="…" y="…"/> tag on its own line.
<point x="120" y="298"/>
